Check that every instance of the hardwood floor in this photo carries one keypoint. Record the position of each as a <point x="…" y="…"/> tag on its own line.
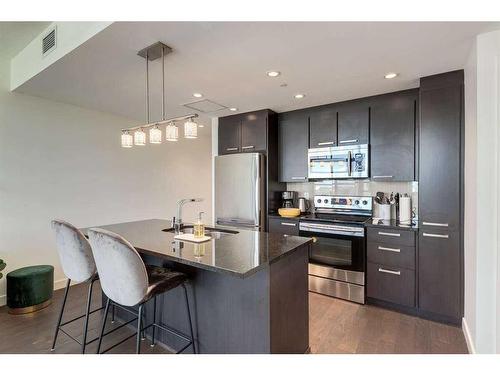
<point x="336" y="326"/>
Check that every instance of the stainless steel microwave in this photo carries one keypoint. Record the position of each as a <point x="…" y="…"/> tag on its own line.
<point x="338" y="162"/>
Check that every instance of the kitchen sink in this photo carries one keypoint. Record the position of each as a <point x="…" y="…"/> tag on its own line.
<point x="209" y="231"/>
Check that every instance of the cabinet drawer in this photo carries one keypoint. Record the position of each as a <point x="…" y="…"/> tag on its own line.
<point x="391" y="236"/>
<point x="391" y="284"/>
<point x="284" y="226"/>
<point x="391" y="255"/>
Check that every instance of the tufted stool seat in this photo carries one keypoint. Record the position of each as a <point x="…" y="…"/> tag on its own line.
<point x="30" y="289"/>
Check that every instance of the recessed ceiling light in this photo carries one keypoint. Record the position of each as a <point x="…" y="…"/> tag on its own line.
<point x="197" y="95"/>
<point x="391" y="75"/>
<point x="273" y="73"/>
<point x="299" y="96"/>
<point x="234" y="109"/>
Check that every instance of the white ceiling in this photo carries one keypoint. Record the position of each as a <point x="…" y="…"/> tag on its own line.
<point x="227" y="62"/>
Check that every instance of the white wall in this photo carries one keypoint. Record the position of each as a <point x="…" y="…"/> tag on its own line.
<point x="62" y="161"/>
<point x="469" y="322"/>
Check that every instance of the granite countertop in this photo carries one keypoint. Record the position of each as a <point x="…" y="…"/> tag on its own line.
<point x="391" y="224"/>
<point x="241" y="254"/>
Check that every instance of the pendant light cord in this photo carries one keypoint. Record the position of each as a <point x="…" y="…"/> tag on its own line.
<point x="163" y="83"/>
<point x="147" y="87"/>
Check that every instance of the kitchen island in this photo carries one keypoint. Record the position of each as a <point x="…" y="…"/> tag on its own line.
<point x="248" y="290"/>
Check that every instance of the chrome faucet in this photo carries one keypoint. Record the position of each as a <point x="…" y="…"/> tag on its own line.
<point x="177" y="223"/>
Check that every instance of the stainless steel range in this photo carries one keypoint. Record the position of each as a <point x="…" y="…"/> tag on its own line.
<point x="337" y="256"/>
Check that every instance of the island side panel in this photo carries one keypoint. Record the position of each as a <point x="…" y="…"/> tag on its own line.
<point x="289" y="303"/>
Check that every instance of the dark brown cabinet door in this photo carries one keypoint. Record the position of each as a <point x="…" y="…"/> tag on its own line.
<point x="229" y="134"/>
<point x="392" y="136"/>
<point x="283" y="226"/>
<point x="293" y="146"/>
<point x="439" y="166"/>
<point x="353" y="123"/>
<point x="323" y="127"/>
<point x="254" y="131"/>
<point x="439" y="267"/>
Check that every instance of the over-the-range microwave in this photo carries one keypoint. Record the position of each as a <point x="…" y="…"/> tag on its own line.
<point x="338" y="162"/>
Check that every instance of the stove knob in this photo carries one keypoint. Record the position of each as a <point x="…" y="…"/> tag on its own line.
<point x="319" y="201"/>
<point x="356" y="202"/>
<point x="325" y="201"/>
<point x="365" y="202"/>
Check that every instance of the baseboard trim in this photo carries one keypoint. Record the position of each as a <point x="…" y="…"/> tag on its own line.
<point x="468" y="338"/>
<point x="58" y="284"/>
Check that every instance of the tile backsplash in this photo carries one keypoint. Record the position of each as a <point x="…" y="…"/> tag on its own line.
<point x="355" y="188"/>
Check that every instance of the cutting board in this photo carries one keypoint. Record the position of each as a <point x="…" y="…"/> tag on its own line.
<point x="191" y="238"/>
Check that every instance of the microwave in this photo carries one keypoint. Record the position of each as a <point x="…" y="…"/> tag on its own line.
<point x="338" y="162"/>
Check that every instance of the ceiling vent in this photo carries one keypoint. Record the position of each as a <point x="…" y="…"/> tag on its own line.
<point x="205" y="106"/>
<point x="49" y="42"/>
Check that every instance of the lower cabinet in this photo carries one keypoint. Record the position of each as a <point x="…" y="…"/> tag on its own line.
<point x="283" y="226"/>
<point x="390" y="274"/>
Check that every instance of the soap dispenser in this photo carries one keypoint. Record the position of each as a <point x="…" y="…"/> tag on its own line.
<point x="199" y="227"/>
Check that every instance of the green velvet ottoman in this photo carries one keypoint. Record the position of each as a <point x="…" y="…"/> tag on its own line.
<point x="30" y="289"/>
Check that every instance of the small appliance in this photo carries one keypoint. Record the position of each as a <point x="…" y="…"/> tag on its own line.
<point x="338" y="162"/>
<point x="304" y="205"/>
<point x="337" y="255"/>
<point x="289" y="198"/>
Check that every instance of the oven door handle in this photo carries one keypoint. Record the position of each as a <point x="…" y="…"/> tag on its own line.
<point x="349" y="163"/>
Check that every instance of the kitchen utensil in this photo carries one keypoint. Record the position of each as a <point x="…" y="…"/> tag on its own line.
<point x="303" y="205"/>
<point x="289" y="212"/>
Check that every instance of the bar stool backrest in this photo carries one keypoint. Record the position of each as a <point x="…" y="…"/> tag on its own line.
<point x="121" y="270"/>
<point x="74" y="252"/>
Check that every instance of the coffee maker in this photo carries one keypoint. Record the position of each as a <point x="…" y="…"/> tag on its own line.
<point x="288" y="199"/>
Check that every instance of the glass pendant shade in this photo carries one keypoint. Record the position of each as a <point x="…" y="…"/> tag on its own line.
<point x="140" y="138"/>
<point x="190" y="129"/>
<point x="155" y="135"/>
<point x="127" y="140"/>
<point x="172" y="133"/>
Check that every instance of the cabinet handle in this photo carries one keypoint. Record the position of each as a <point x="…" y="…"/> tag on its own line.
<point x="299" y="178"/>
<point x="325" y="143"/>
<point x="247" y="147"/>
<point x="289" y="224"/>
<point x="382" y="176"/>
<point x="389" y="249"/>
<point x="390" y="234"/>
<point x="435" y="235"/>
<point x="232" y="149"/>
<point x="350" y="141"/>
<point x="389" y="271"/>
<point x="434" y="224"/>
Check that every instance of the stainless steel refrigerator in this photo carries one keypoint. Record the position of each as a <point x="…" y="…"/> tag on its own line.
<point x="240" y="192"/>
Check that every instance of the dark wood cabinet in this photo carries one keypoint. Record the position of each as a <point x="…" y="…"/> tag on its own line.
<point x="353" y="123"/>
<point x="440" y="259"/>
<point x="253" y="131"/>
<point x="293" y="146"/>
<point x="229" y="135"/>
<point x="391" y="284"/>
<point x="247" y="132"/>
<point x="392" y="136"/>
<point x="283" y="226"/>
<point x="323" y="127"/>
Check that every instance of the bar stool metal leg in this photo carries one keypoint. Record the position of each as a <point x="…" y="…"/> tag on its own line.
<point x="154" y="322"/>
<point x="103" y="325"/>
<point x="113" y="313"/>
<point x="60" y="315"/>
<point x="189" y="317"/>
<point x="139" y="333"/>
<point x="87" y="313"/>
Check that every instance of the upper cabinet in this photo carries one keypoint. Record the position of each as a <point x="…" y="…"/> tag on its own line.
<point x="353" y="122"/>
<point x="323" y="127"/>
<point x="293" y="146"/>
<point x="246" y="132"/>
<point x="229" y="135"/>
<point x="392" y="136"/>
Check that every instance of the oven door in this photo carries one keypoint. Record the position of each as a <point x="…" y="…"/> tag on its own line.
<point x="324" y="163"/>
<point x="344" y="249"/>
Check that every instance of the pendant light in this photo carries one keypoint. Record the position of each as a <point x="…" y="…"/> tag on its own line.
<point x="127" y="139"/>
<point x="190" y="129"/>
<point x="154" y="52"/>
